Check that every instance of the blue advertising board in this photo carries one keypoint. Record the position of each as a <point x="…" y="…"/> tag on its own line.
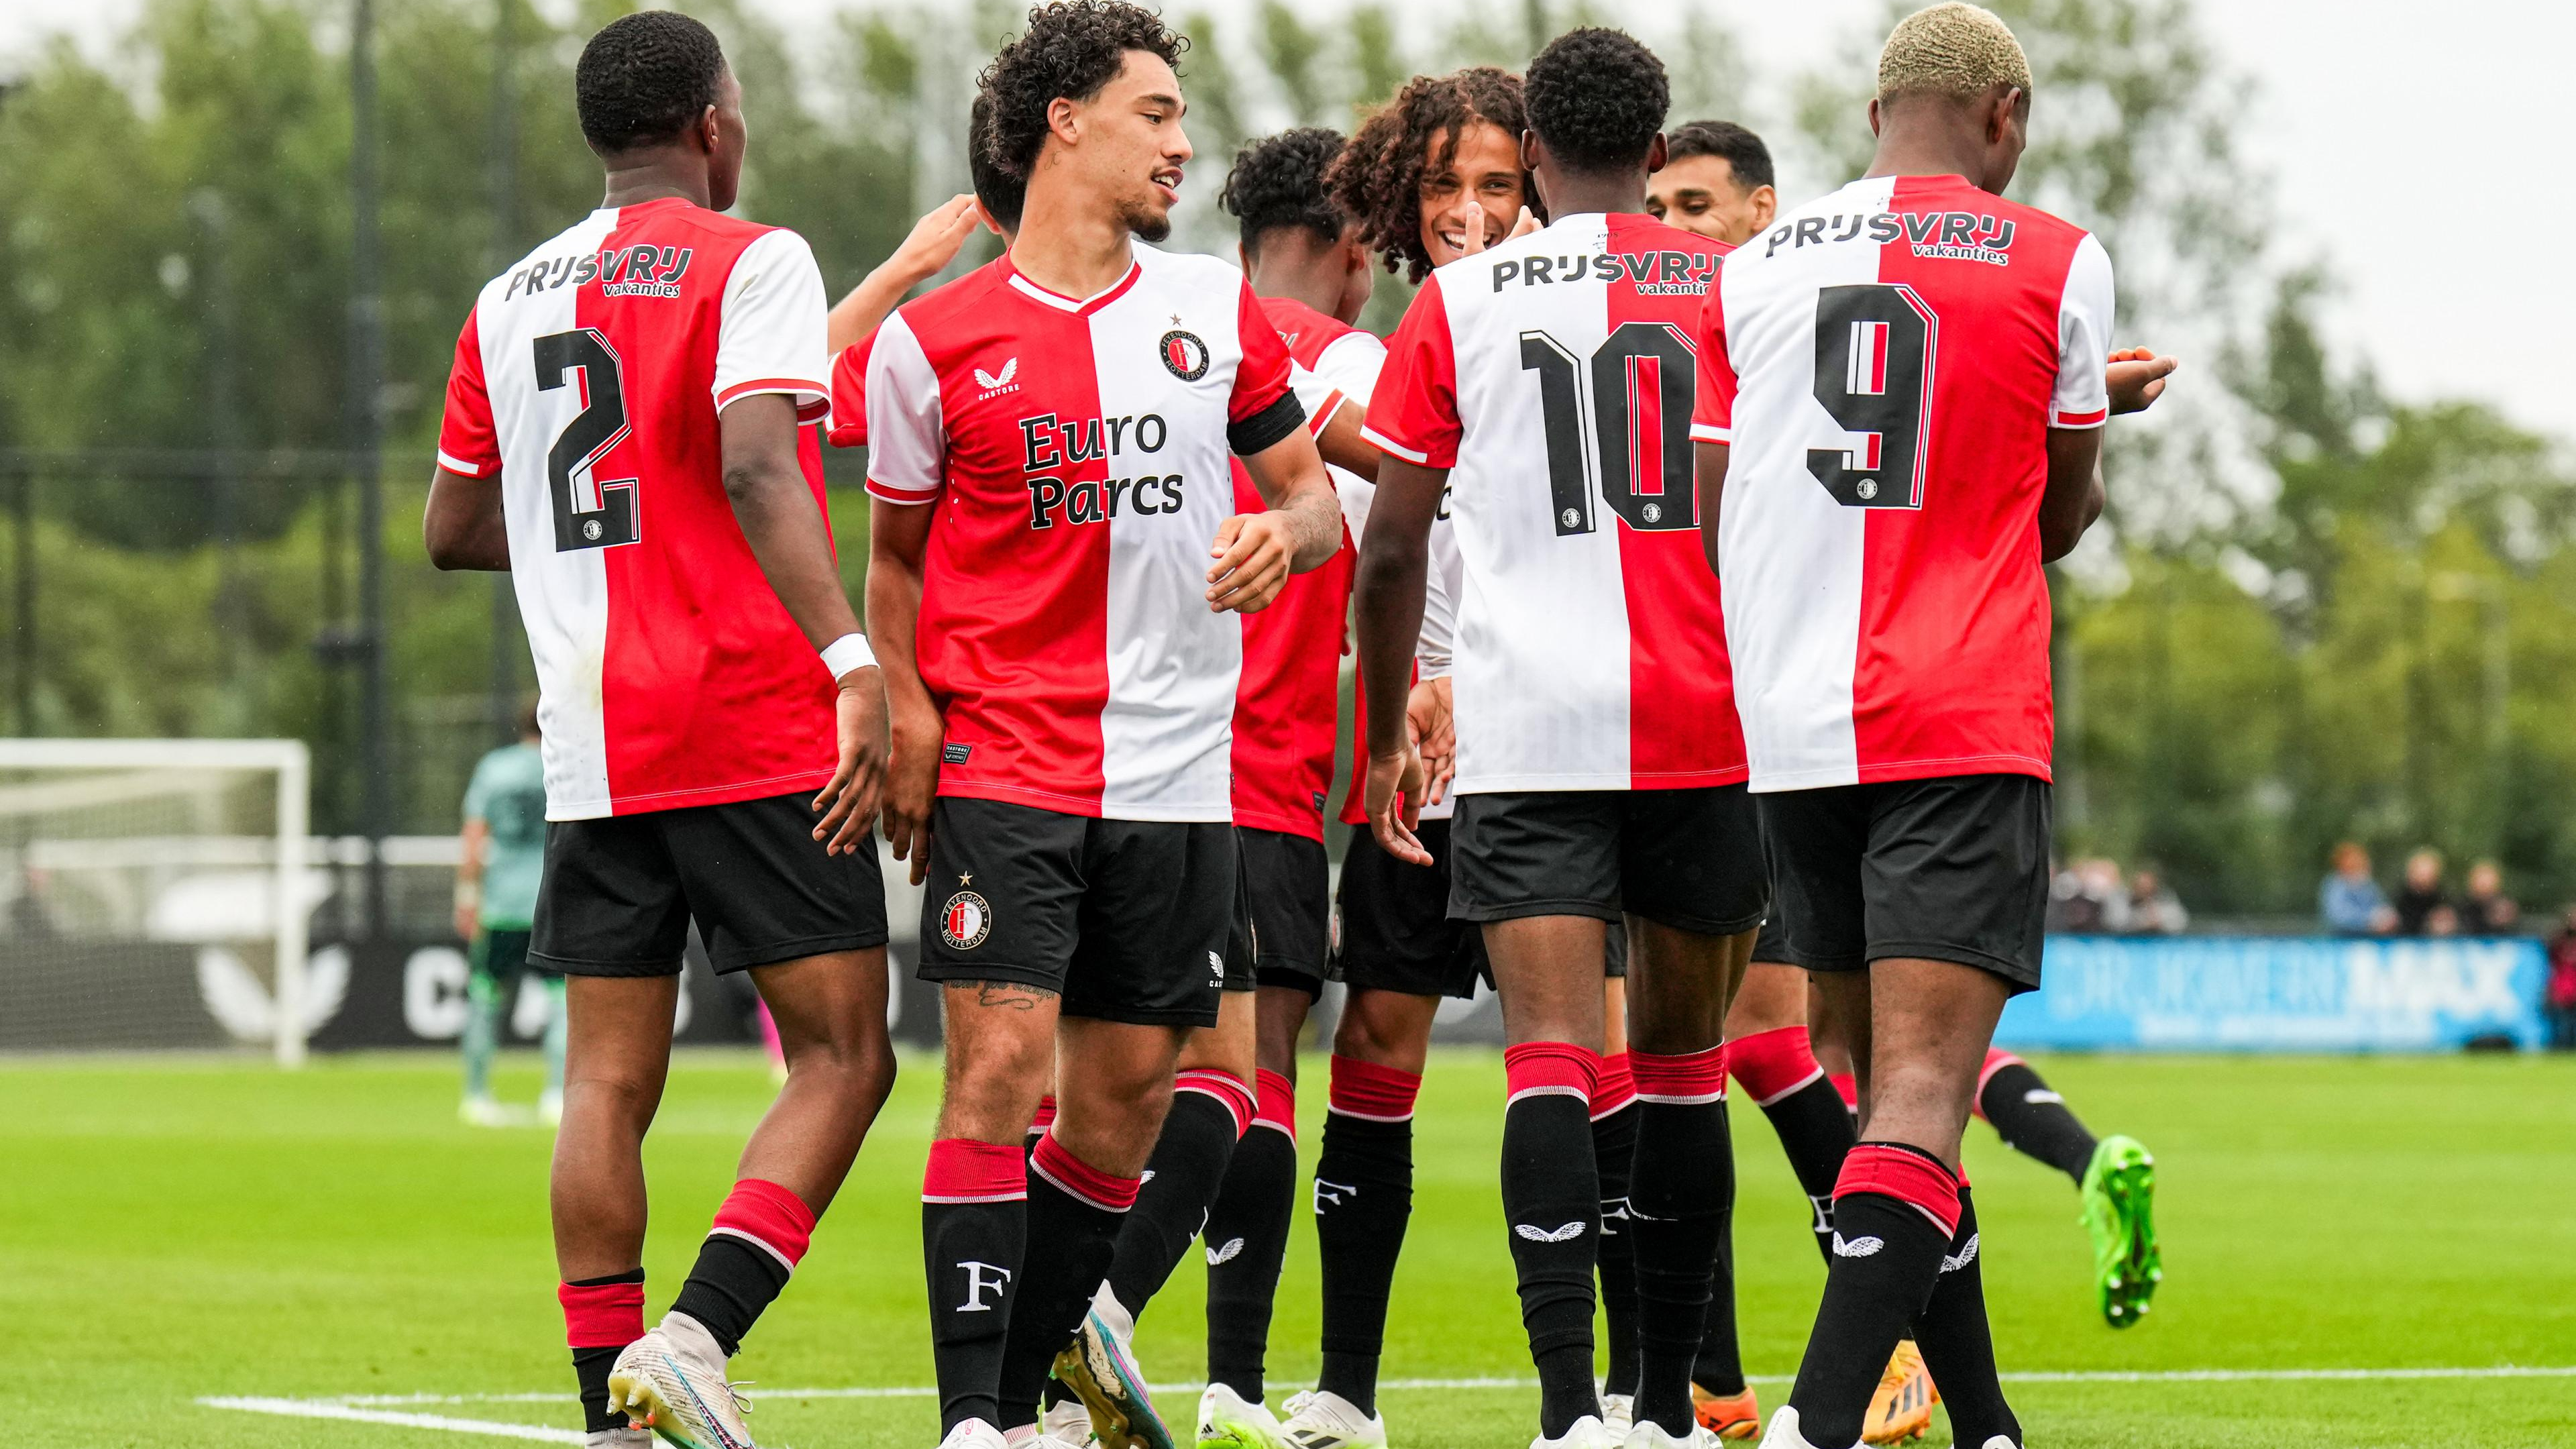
<point x="2264" y="993"/>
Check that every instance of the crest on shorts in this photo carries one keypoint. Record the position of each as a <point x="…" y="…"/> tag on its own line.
<point x="1184" y="355"/>
<point x="965" y="921"/>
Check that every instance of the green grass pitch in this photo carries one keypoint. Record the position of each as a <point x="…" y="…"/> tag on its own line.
<point x="173" y="1230"/>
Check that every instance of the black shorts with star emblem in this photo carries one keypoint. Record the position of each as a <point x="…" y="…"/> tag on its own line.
<point x="1126" y="920"/>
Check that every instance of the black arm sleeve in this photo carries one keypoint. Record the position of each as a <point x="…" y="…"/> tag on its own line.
<point x="1258" y="432"/>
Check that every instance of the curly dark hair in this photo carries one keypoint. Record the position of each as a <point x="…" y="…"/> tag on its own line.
<point x="1071" y="49"/>
<point x="1278" y="181"/>
<point x="1740" y="149"/>
<point x="1596" y="98"/>
<point x="1002" y="195"/>
<point x="643" y="78"/>
<point x="1378" y="177"/>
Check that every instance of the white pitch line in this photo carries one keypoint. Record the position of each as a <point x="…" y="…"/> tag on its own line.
<point x="308" y="1409"/>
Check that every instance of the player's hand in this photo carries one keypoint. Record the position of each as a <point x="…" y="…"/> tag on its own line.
<point x="1394" y="801"/>
<point x="849" y="800"/>
<point x="1252" y="553"/>
<point x="912" y="781"/>
<point x="1435" y="735"/>
<point x="934" y="240"/>
<point x="2136" y="377"/>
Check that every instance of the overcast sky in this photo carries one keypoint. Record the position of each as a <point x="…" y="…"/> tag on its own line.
<point x="2407" y="141"/>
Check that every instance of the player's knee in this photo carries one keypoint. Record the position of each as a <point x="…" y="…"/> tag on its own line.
<point x="1384" y="1027"/>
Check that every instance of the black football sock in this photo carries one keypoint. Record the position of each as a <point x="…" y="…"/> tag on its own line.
<point x="601" y="1317"/>
<point x="1719" y="1365"/>
<point x="1681" y="1198"/>
<point x="1363" y="1200"/>
<point x="758" y="1238"/>
<point x="1958" y="1349"/>
<point x="2032" y="1119"/>
<point x="974" y="1220"/>
<point x="1074" y="1212"/>
<point x="1778" y="1070"/>
<point x="1247" y="1240"/>
<point x="1894" y="1211"/>
<point x="1209" y="1111"/>
<point x="1552" y="1202"/>
<point x="1614" y="1152"/>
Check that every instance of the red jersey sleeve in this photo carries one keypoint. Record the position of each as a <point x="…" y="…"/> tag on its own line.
<point x="849" y="426"/>
<point x="1713" y="415"/>
<point x="1413" y="414"/>
<point x="1264" y="407"/>
<point x="466" y="442"/>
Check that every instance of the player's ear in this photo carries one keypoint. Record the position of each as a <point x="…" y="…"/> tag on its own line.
<point x="1873" y="115"/>
<point x="1766" y="205"/>
<point x="1064" y="118"/>
<point x="1658" y="152"/>
<point x="1532" y="148"/>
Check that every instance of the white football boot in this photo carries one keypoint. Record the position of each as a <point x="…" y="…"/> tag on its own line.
<point x="1784" y="1433"/>
<point x="1228" y="1420"/>
<point x="1587" y="1432"/>
<point x="672" y="1381"/>
<point x="1318" y="1420"/>
<point x="1618" y="1414"/>
<point x="973" y="1434"/>
<point x="629" y="1437"/>
<point x="1065" y="1422"/>
<point x="1647" y="1434"/>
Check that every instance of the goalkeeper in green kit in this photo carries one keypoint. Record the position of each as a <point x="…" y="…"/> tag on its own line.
<point x="504" y="851"/>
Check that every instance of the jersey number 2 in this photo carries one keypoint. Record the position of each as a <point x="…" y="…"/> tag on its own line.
<point x="589" y="513"/>
<point x="1875" y="347"/>
<point x="1641" y="380"/>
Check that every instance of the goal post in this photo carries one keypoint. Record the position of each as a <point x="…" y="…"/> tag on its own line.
<point x="128" y="842"/>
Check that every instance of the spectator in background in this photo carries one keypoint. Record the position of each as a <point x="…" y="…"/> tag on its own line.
<point x="2154" y="909"/>
<point x="2087" y="899"/>
<point x="2485" y="910"/>
<point x="2348" y="901"/>
<point x="2558" y="998"/>
<point x="2442" y="920"/>
<point x="2419" y="893"/>
<point x="497" y="869"/>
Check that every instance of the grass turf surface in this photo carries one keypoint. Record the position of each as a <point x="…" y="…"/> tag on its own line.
<point x="172" y="1228"/>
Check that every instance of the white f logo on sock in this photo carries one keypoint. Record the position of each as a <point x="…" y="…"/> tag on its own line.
<point x="980" y="1276"/>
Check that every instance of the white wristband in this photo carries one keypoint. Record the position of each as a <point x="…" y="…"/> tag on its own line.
<point x="846" y="653"/>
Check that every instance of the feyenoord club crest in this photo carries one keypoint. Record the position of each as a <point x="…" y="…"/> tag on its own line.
<point x="966" y="921"/>
<point x="1184" y="355"/>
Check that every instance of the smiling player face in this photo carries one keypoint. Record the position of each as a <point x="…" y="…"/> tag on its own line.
<point x="1700" y="194"/>
<point x="1473" y="202"/>
<point x="1133" y="147"/>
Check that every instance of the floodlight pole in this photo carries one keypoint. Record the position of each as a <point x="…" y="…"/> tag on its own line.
<point x="366" y="428"/>
<point x="505" y="243"/>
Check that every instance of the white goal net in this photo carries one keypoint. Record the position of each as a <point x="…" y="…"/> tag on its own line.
<point x="155" y="893"/>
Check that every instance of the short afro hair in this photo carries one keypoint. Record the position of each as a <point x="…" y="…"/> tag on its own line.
<point x="644" y="78"/>
<point x="1955" y="51"/>
<point x="1378" y="176"/>
<point x="1597" y="97"/>
<point x="1070" y="51"/>
<point x="1001" y="194"/>
<point x="1741" y="150"/>
<point x="1278" y="183"/>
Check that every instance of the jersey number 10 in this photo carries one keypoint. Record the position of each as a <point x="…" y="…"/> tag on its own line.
<point x="603" y="515"/>
<point x="1641" y="379"/>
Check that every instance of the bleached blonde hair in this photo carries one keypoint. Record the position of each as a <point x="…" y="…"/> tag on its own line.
<point x="1955" y="50"/>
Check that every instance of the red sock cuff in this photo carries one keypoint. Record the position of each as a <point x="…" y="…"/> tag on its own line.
<point x="1276" y="1107"/>
<point x="1846" y="1086"/>
<point x="1550" y="1068"/>
<point x="1688" y="1079"/>
<point x="1377" y="1093"/>
<point x="964" y="1170"/>
<point x="1226" y="1087"/>
<point x="1614" y="1088"/>
<point x="1996" y="1060"/>
<point x="1772" y="1064"/>
<point x="768" y="1217"/>
<point x="1907" y="1174"/>
<point x="602" y="1315"/>
<point x="1071" y="1175"/>
<point x="1044" y="1119"/>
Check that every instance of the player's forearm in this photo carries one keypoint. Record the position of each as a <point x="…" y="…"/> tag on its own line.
<point x="894" y="612"/>
<point x="469" y="853"/>
<point x="2074" y="494"/>
<point x="1387" y="598"/>
<point x="1343" y="447"/>
<point x="1315" y="521"/>
<point x="776" y="509"/>
<point x="870" y="303"/>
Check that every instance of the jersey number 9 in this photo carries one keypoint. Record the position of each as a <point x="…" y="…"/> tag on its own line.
<point x="1875" y="347"/>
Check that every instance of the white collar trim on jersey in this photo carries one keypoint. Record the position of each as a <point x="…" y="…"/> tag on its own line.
<point x="1063" y="303"/>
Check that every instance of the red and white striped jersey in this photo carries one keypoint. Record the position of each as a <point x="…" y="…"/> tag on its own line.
<point x="1885" y="364"/>
<point x="589" y="377"/>
<point x="1077" y="452"/>
<point x="1553" y="376"/>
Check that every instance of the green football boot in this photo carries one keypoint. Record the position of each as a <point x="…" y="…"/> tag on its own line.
<point x="2119" y="1211"/>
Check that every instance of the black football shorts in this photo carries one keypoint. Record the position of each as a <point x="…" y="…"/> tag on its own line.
<point x="1126" y="920"/>
<point x="1949" y="869"/>
<point x="1396" y="932"/>
<point x="1690" y="859"/>
<point x="1288" y="902"/>
<point x="619" y="891"/>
